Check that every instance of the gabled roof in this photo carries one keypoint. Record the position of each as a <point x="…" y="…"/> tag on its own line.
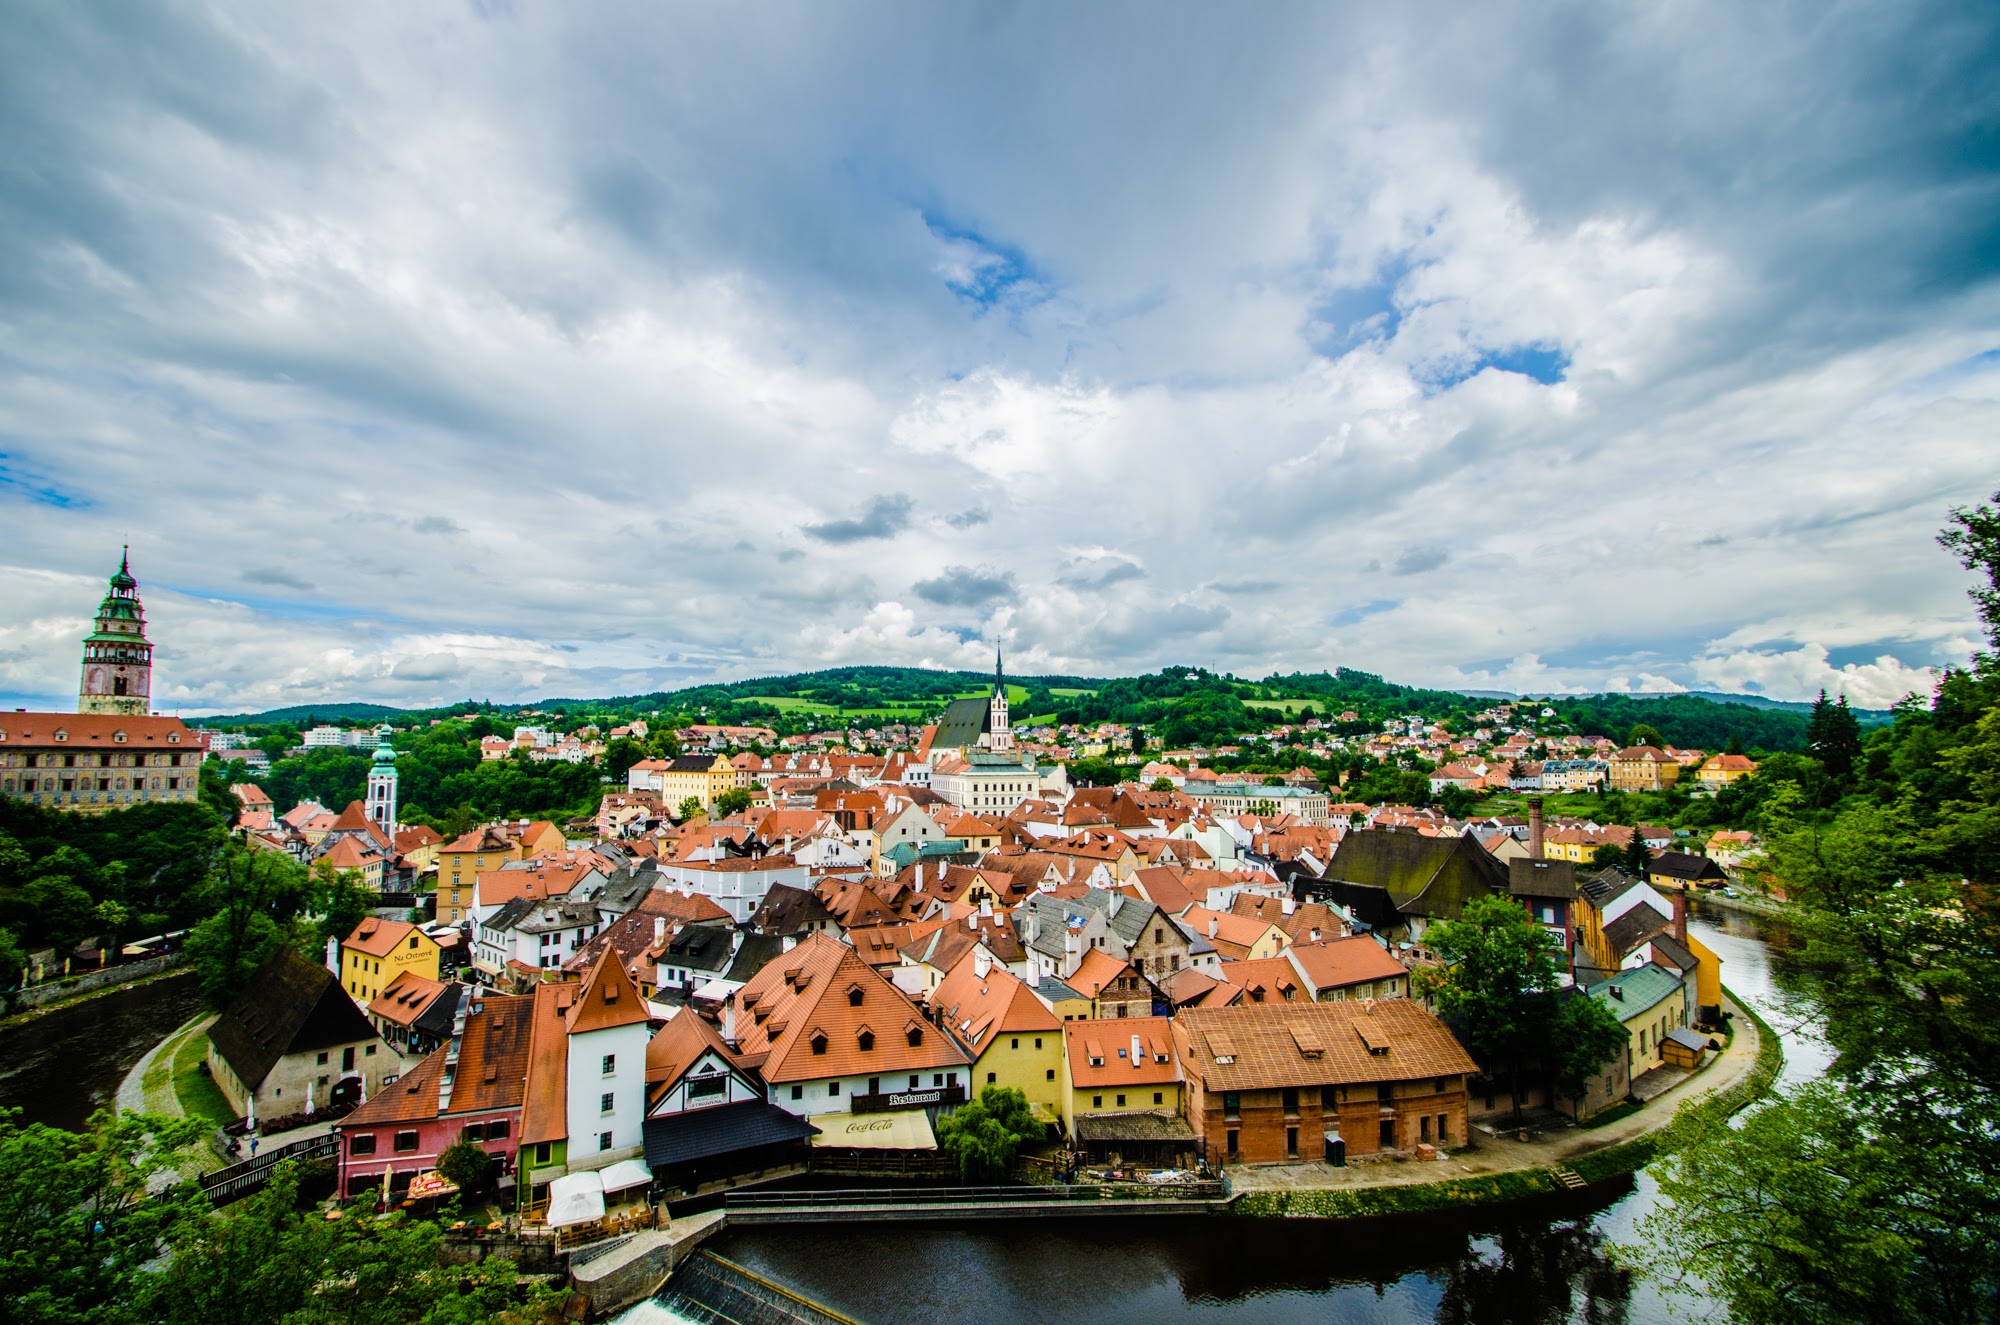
<point x="1637" y="925"/>
<point x="1097" y="970"/>
<point x="1426" y="876"/>
<point x="1259" y="1046"/>
<point x="545" y="1102"/>
<point x="1542" y="878"/>
<point x="809" y="994"/>
<point x="1100" y="1052"/>
<point x="1340" y="963"/>
<point x="379" y="938"/>
<point x="290" y="1006"/>
<point x="406" y="998"/>
<point x="979" y="1008"/>
<point x="608" y="999"/>
<point x="678" y="1047"/>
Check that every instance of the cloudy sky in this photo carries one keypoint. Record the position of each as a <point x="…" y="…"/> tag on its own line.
<point x="515" y="350"/>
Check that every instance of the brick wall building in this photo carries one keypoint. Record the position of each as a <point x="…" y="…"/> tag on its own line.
<point x="1267" y="1083"/>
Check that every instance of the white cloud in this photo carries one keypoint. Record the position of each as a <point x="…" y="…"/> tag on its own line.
<point x="1805" y="671"/>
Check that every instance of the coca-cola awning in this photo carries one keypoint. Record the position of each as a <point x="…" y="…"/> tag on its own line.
<point x="909" y="1129"/>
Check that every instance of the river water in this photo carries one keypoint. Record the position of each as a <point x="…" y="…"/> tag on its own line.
<point x="1542" y="1261"/>
<point x="60" y="1067"/>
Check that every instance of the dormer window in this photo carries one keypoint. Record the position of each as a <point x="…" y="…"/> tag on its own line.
<point x="173" y="738"/>
<point x="866" y="1039"/>
<point x="61" y="735"/>
<point x="854" y="996"/>
<point x="916" y="1036"/>
<point x="819" y="1043"/>
<point x="118" y="737"/>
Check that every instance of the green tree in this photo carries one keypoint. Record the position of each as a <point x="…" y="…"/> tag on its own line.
<point x="1976" y="544"/>
<point x="64" y="913"/>
<point x="1637" y="857"/>
<point x="339" y="900"/>
<point x="76" y="1221"/>
<point x="1496" y="963"/>
<point x="257" y="895"/>
<point x="466" y="1164"/>
<point x="984" y="1135"/>
<point x="688" y="809"/>
<point x="1583" y="1035"/>
<point x="731" y="802"/>
<point x="1644" y="734"/>
<point x="1163" y="784"/>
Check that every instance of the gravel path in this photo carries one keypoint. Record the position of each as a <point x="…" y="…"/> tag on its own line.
<point x="134" y="1094"/>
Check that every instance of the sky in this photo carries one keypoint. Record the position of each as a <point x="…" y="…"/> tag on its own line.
<point x="519" y="350"/>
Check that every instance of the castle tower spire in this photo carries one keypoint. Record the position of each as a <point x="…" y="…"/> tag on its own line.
<point x="117" y="657"/>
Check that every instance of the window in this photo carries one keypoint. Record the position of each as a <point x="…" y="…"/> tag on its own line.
<point x="1016" y="1044"/>
<point x="610" y="1064"/>
<point x="1291" y="1099"/>
<point x="854" y="997"/>
<point x="916" y="1036"/>
<point x="497" y="1130"/>
<point x="992" y="1077"/>
<point x="1291" y="1143"/>
<point x="819" y="1044"/>
<point x="798" y="1092"/>
<point x="473" y="1132"/>
<point x="1038" y="1041"/>
<point x="361" y="1145"/>
<point x="913" y="1081"/>
<point x="1159" y="1097"/>
<point x="1096" y="1101"/>
<point x="702" y="1087"/>
<point x="369" y="1052"/>
<point x="405" y="1142"/>
<point x="866" y="1040"/>
<point x="604" y="1102"/>
<point x="1121" y="1101"/>
<point x="604" y="1140"/>
<point x="1051" y="1075"/>
<point x="1232" y="1106"/>
<point x="832" y="1089"/>
<point x="347" y="1059"/>
<point x="322" y="1060"/>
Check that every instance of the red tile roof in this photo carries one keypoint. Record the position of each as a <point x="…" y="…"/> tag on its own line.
<point x="1100" y="1052"/>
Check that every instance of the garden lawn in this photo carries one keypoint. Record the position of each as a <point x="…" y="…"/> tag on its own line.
<point x="200" y="1097"/>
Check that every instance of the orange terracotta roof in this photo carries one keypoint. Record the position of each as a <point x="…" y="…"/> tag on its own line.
<point x="498" y="887"/>
<point x="1258" y="1046"/>
<point x="1100" y="1052"/>
<point x="979" y="1008"/>
<point x="1097" y="969"/>
<point x="493" y="1056"/>
<point x="821" y="992"/>
<point x="678" y="1046"/>
<point x="1337" y="963"/>
<point x="609" y="998"/>
<point x="404" y="999"/>
<point x="545" y="1103"/>
<point x="91" y="730"/>
<point x="378" y="938"/>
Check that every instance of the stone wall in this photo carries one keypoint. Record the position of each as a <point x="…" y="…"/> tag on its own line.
<point x="36" y="996"/>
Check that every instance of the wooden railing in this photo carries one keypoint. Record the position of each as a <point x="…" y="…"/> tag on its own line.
<point x="611" y="1226"/>
<point x="239" y="1180"/>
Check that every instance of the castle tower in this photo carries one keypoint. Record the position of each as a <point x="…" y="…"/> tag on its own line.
<point x="999" y="736"/>
<point x="117" y="659"/>
<point x="381" y="807"/>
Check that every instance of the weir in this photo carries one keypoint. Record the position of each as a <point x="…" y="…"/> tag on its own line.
<point x="711" y="1290"/>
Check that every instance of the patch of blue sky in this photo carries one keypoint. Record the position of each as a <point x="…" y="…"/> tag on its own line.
<point x="983" y="271"/>
<point x="25" y="482"/>
<point x="292" y="609"/>
<point x="1540" y="361"/>
<point x="1354" y="315"/>
<point x="1348" y="616"/>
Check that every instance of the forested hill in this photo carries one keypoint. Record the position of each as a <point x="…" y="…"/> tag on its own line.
<point x="1181" y="705"/>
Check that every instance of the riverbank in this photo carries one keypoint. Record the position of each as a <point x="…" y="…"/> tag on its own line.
<point x="1501" y="1169"/>
<point x="1745" y="903"/>
<point x="84" y="988"/>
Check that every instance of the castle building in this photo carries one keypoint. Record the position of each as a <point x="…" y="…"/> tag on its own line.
<point x="117" y="658"/>
<point x="109" y="753"/>
<point x="972" y="757"/>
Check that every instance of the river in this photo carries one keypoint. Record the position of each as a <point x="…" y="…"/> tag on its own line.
<point x="60" y="1067"/>
<point x="1543" y="1261"/>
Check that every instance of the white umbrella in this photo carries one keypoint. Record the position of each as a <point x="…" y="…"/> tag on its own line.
<point x="309" y="1102"/>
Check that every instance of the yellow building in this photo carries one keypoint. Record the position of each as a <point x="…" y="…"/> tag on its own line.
<point x="1721" y="770"/>
<point x="380" y="950"/>
<point x="704" y="777"/>
<point x="1123" y="1065"/>
<point x="1014" y="1039"/>
<point x="1643" y="768"/>
<point x="1650" y="1001"/>
<point x="487" y="848"/>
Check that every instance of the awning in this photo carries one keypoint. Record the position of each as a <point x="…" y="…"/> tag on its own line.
<point x="909" y="1129"/>
<point x="678" y="1138"/>
<point x="576" y="1199"/>
<point x="625" y="1175"/>
<point x="426" y="1185"/>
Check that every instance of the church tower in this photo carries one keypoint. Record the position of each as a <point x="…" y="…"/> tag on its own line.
<point x="999" y="736"/>
<point x="117" y="659"/>
<point x="381" y="807"/>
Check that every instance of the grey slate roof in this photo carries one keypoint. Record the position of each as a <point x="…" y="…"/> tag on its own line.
<point x="963" y="723"/>
<point x="1542" y="878"/>
<point x="700" y="1133"/>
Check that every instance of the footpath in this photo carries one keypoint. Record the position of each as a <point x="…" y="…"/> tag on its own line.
<point x="1504" y="1167"/>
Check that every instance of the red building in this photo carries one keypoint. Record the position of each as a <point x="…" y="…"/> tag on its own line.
<point x="468" y="1089"/>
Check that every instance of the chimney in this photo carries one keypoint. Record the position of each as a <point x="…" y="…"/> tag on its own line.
<point x="1681" y="914"/>
<point x="1114" y="903"/>
<point x="659" y="928"/>
<point x="1214" y="923"/>
<point x="982" y="964"/>
<point x="1535" y="828"/>
<point x="986" y="908"/>
<point x="1286" y="905"/>
<point x="972" y="920"/>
